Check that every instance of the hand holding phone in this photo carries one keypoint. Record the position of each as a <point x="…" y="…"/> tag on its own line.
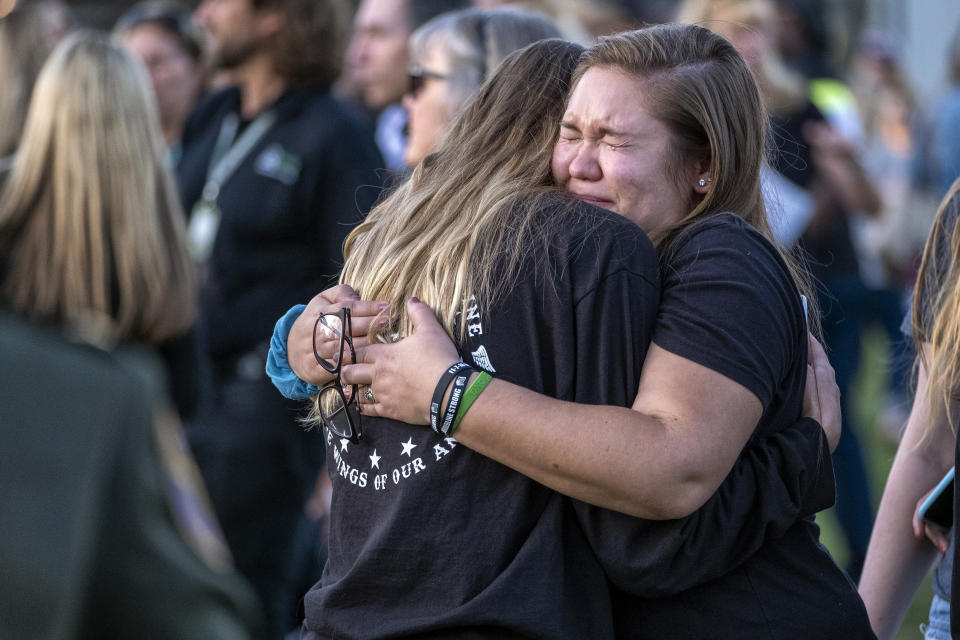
<point x="934" y="516"/>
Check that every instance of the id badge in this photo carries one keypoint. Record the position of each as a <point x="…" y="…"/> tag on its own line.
<point x="202" y="230"/>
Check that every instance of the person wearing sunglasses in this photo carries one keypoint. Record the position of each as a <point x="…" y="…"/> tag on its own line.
<point x="430" y="536"/>
<point x="451" y="56"/>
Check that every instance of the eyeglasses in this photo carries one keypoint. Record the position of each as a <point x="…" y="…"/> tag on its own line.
<point x="417" y="76"/>
<point x="340" y="415"/>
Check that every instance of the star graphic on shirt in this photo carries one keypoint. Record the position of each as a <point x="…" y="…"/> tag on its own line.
<point x="408" y="446"/>
<point x="375" y="460"/>
<point x="343" y="444"/>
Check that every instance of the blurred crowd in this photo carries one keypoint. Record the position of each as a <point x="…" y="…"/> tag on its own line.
<point x="219" y="154"/>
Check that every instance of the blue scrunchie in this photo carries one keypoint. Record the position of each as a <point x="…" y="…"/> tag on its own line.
<point x="278" y="368"/>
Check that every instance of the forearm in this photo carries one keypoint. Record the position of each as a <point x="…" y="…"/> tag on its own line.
<point x="774" y="483"/>
<point x="636" y="468"/>
<point x="897" y="560"/>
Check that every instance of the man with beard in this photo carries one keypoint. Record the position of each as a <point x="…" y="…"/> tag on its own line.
<point x="275" y="172"/>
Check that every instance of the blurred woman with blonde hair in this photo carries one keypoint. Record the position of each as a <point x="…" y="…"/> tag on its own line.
<point x="900" y="553"/>
<point x="91" y="230"/>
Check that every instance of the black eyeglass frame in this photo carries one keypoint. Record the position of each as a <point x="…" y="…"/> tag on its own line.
<point x="416" y="75"/>
<point x="336" y="385"/>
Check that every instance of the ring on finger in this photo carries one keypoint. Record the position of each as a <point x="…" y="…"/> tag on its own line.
<point x="368" y="394"/>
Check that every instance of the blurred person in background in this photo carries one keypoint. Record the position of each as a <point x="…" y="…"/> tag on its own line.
<point x="106" y="530"/>
<point x="274" y="173"/>
<point x="162" y="34"/>
<point x="572" y="17"/>
<point x="27" y="36"/>
<point x="376" y="63"/>
<point x="815" y="157"/>
<point x="890" y="245"/>
<point x="451" y="56"/>
<point x="903" y="547"/>
<point x="946" y="133"/>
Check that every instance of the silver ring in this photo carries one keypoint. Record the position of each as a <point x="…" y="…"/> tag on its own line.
<point x="368" y="394"/>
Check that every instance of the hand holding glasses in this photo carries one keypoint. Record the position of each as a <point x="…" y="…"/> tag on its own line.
<point x="339" y="414"/>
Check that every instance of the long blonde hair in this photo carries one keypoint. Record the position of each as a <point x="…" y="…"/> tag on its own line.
<point x="90" y="224"/>
<point x="936" y="307"/>
<point x="470" y="207"/>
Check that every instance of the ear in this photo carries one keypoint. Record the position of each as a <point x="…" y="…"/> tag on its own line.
<point x="269" y="22"/>
<point x="701" y="176"/>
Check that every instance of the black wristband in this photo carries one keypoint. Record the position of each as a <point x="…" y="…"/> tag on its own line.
<point x="441" y="389"/>
<point x="459" y="384"/>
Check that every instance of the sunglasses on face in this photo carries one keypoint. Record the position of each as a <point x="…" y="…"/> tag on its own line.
<point x="417" y="77"/>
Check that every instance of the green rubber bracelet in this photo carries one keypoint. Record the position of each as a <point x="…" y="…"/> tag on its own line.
<point x="472" y="393"/>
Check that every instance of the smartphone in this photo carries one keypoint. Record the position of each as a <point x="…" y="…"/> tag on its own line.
<point x="938" y="507"/>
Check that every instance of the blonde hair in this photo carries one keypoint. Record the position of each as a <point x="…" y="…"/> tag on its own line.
<point x="470" y="207"/>
<point x="90" y="224"/>
<point x="936" y="307"/>
<point x="23" y="49"/>
<point x="783" y="90"/>
<point x="701" y="89"/>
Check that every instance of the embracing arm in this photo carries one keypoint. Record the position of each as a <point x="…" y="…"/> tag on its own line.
<point x="775" y="481"/>
<point x="568" y="446"/>
<point x="589" y="452"/>
<point x="899" y="555"/>
<point x="661" y="459"/>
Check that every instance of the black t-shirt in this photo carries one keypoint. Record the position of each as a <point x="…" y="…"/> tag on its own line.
<point x="285" y="210"/>
<point x="429" y="538"/>
<point x="729" y="304"/>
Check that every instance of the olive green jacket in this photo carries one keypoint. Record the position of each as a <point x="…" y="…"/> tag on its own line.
<point x="105" y="531"/>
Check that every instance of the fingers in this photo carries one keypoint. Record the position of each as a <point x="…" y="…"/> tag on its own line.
<point x="363" y="323"/>
<point x="918" y="525"/>
<point x="360" y="374"/>
<point x="922" y="529"/>
<point x="371" y="410"/>
<point x="421" y="316"/>
<point x="337" y="295"/>
<point x="811" y="398"/>
<point x="343" y="296"/>
<point x="938" y="536"/>
<point x="822" y="382"/>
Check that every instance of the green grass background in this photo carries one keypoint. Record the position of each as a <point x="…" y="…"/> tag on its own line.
<point x="867" y="402"/>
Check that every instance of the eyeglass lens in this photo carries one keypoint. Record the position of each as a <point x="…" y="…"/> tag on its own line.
<point x="338" y="414"/>
<point x="329" y="328"/>
<point x="415" y="84"/>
